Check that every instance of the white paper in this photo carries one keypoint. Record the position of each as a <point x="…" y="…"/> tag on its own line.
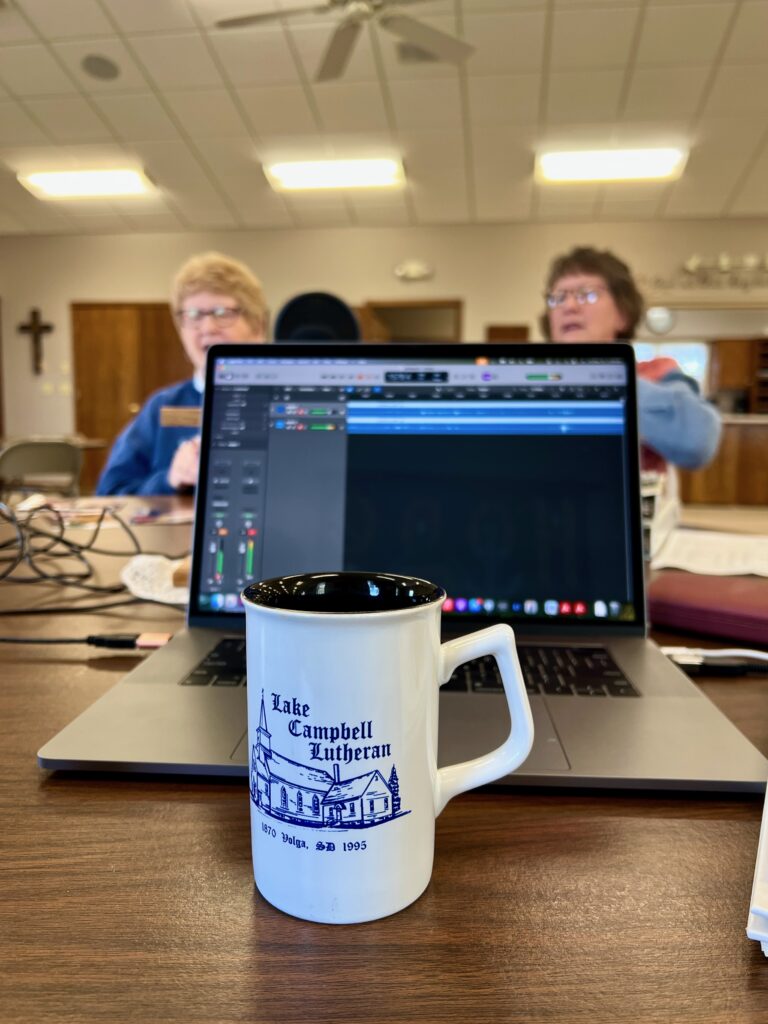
<point x="757" y="921"/>
<point x="150" y="577"/>
<point x="714" y="554"/>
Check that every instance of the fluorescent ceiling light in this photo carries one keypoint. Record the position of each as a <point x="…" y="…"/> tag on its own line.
<point x="611" y="165"/>
<point x="86" y="184"/>
<point x="335" y="174"/>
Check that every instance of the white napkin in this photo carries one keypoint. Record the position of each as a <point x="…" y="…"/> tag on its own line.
<point x="150" y="577"/>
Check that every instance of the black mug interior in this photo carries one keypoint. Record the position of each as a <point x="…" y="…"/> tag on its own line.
<point x="343" y="593"/>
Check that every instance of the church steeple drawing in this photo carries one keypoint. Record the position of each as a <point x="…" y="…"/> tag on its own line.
<point x="306" y="795"/>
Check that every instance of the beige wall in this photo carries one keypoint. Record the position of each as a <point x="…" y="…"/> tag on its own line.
<point x="496" y="270"/>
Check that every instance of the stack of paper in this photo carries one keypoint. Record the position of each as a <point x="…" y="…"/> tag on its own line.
<point x="757" y="923"/>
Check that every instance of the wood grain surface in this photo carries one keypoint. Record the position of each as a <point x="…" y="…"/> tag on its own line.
<point x="129" y="899"/>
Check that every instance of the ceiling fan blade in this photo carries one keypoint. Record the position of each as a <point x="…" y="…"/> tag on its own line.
<point x="258" y="19"/>
<point x="446" y="47"/>
<point x="339" y="50"/>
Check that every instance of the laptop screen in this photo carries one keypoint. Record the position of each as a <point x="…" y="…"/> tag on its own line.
<point x="508" y="474"/>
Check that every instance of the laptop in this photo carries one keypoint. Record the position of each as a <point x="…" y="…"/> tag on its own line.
<point x="509" y="475"/>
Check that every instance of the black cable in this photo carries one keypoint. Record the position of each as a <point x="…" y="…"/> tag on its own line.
<point x="115" y="641"/>
<point x="39" y="548"/>
<point x="71" y="609"/>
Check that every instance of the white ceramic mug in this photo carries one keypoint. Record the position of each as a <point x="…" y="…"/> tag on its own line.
<point x="343" y="677"/>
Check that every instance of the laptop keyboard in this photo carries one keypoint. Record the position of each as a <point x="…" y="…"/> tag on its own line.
<point x="557" y="671"/>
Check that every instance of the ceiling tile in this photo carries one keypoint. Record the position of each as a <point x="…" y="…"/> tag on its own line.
<point x="551" y="208"/>
<point x="65" y="20"/>
<point x="351" y="106"/>
<point x="235" y="155"/>
<point x="17" y="127"/>
<point x="507" y="99"/>
<point x="433" y="103"/>
<point x="688" y="34"/>
<point x="575" y="135"/>
<point x="665" y="92"/>
<point x="318" y="209"/>
<point x="176" y="61"/>
<point x="485" y="6"/>
<point x="69" y="119"/>
<point x="129" y="78"/>
<point x="207" y="215"/>
<point x="752" y="198"/>
<point x="165" y="221"/>
<point x="362" y="145"/>
<point x="149" y="15"/>
<point x="583" y="95"/>
<point x="505" y="42"/>
<point x="381" y="216"/>
<point x="311" y="42"/>
<point x="278" y="110"/>
<point x="592" y="38"/>
<point x="632" y="200"/>
<point x="503" y="173"/>
<point x="174" y="166"/>
<point x="660" y="132"/>
<point x="14" y="28"/>
<point x="255" y="56"/>
<point x="434" y="168"/>
<point x="32" y="71"/>
<point x="716" y="163"/>
<point x="96" y="223"/>
<point x="259" y="206"/>
<point x="137" y="116"/>
<point x="739" y="89"/>
<point x="441" y="199"/>
<point x="748" y="40"/>
<point x="207" y="114"/>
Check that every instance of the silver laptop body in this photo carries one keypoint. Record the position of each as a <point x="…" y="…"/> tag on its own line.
<point x="506" y="473"/>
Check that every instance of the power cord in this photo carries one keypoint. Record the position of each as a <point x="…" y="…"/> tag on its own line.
<point x="117" y="641"/>
<point x="731" y="661"/>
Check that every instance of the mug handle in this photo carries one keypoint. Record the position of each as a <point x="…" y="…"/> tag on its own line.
<point x="500" y="642"/>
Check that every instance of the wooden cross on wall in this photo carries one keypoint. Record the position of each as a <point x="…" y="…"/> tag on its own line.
<point x="36" y="329"/>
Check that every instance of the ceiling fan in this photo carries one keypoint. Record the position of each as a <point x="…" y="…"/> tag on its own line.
<point x="355" y="13"/>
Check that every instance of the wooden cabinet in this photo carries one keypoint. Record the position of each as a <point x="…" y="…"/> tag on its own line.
<point x="732" y="365"/>
<point x="738" y="475"/>
<point x="758" y="398"/>
<point x="741" y="364"/>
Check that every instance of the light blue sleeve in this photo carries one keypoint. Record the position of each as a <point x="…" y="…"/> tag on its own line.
<point x="677" y="423"/>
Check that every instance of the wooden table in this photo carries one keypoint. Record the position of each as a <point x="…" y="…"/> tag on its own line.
<point x="132" y="899"/>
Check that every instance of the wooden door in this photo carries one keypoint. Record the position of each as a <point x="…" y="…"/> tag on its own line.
<point x="371" y="327"/>
<point x="122" y="352"/>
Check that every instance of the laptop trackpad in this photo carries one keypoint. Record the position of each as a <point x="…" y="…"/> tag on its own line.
<point x="474" y="724"/>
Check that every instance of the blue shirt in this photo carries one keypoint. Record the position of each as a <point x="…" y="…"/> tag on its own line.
<point x="142" y="454"/>
<point x="674" y="420"/>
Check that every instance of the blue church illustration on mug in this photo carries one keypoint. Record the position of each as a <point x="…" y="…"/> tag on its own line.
<point x="305" y="795"/>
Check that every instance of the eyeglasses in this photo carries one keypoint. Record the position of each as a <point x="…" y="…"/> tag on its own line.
<point x="583" y="296"/>
<point x="224" y="315"/>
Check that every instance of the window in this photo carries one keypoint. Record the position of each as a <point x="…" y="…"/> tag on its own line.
<point x="299" y="802"/>
<point x="283" y="798"/>
<point x="315" y="805"/>
<point x="370" y="806"/>
<point x="692" y="356"/>
<point x="386" y="803"/>
<point x="351" y="810"/>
